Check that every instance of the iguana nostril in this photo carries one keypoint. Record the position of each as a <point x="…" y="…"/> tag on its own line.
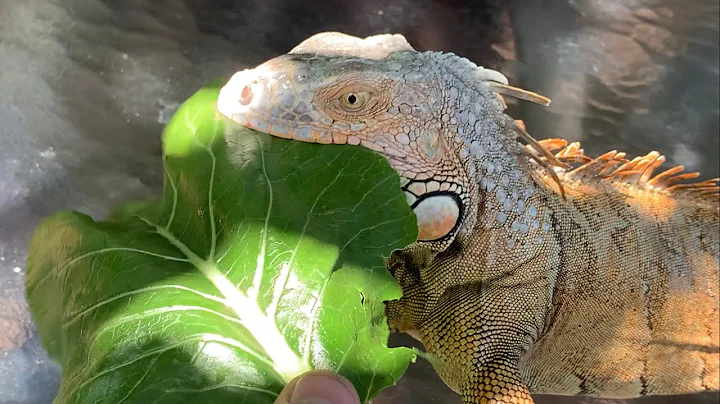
<point x="246" y="95"/>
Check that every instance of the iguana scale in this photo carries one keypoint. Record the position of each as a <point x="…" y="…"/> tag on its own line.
<point x="533" y="272"/>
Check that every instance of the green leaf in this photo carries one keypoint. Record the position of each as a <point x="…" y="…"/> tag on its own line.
<point x="262" y="260"/>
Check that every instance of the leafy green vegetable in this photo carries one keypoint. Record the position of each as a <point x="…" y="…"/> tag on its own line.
<point x="263" y="259"/>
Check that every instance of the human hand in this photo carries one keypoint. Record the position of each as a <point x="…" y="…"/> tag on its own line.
<point x="319" y="387"/>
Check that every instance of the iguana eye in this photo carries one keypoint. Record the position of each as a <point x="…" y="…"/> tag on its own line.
<point x="354" y="101"/>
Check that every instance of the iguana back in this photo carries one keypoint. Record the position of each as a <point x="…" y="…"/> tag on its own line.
<point x="533" y="272"/>
<point x="635" y="303"/>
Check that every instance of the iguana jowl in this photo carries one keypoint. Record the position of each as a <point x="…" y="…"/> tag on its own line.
<point x="534" y="272"/>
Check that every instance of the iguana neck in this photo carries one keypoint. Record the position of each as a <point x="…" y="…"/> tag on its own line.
<point x="507" y="192"/>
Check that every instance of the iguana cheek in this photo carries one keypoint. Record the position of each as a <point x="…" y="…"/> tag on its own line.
<point x="437" y="216"/>
<point x="430" y="144"/>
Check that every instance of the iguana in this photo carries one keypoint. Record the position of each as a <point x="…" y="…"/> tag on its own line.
<point x="533" y="272"/>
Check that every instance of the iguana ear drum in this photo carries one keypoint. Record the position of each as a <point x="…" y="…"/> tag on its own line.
<point x="438" y="214"/>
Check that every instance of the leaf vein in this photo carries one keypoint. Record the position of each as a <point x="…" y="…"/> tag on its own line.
<point x="140" y="291"/>
<point x="66" y="265"/>
<point x="254" y="290"/>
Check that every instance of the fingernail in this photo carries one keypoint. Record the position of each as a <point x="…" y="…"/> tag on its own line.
<point x="324" y="388"/>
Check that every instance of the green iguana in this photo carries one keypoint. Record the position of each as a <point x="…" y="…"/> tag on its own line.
<point x="534" y="272"/>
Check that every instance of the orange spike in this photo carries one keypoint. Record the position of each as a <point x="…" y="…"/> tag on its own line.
<point x="553" y="144"/>
<point x="651" y="167"/>
<point x="540" y="149"/>
<point x="659" y="179"/>
<point x="638" y="171"/>
<point x="533" y="155"/>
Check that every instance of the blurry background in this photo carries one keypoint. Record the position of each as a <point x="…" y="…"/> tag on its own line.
<point x="86" y="86"/>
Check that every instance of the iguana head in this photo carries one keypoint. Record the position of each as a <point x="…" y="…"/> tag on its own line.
<point x="380" y="93"/>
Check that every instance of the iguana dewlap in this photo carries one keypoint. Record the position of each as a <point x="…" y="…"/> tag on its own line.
<point x="533" y="273"/>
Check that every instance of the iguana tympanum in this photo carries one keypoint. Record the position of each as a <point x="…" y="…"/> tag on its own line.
<point x="533" y="272"/>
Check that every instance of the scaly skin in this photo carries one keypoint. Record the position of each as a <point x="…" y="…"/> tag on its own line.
<point x="601" y="282"/>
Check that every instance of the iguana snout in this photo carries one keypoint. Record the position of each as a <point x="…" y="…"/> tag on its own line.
<point x="268" y="99"/>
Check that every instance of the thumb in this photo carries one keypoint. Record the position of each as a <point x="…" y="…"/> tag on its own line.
<point x="319" y="387"/>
